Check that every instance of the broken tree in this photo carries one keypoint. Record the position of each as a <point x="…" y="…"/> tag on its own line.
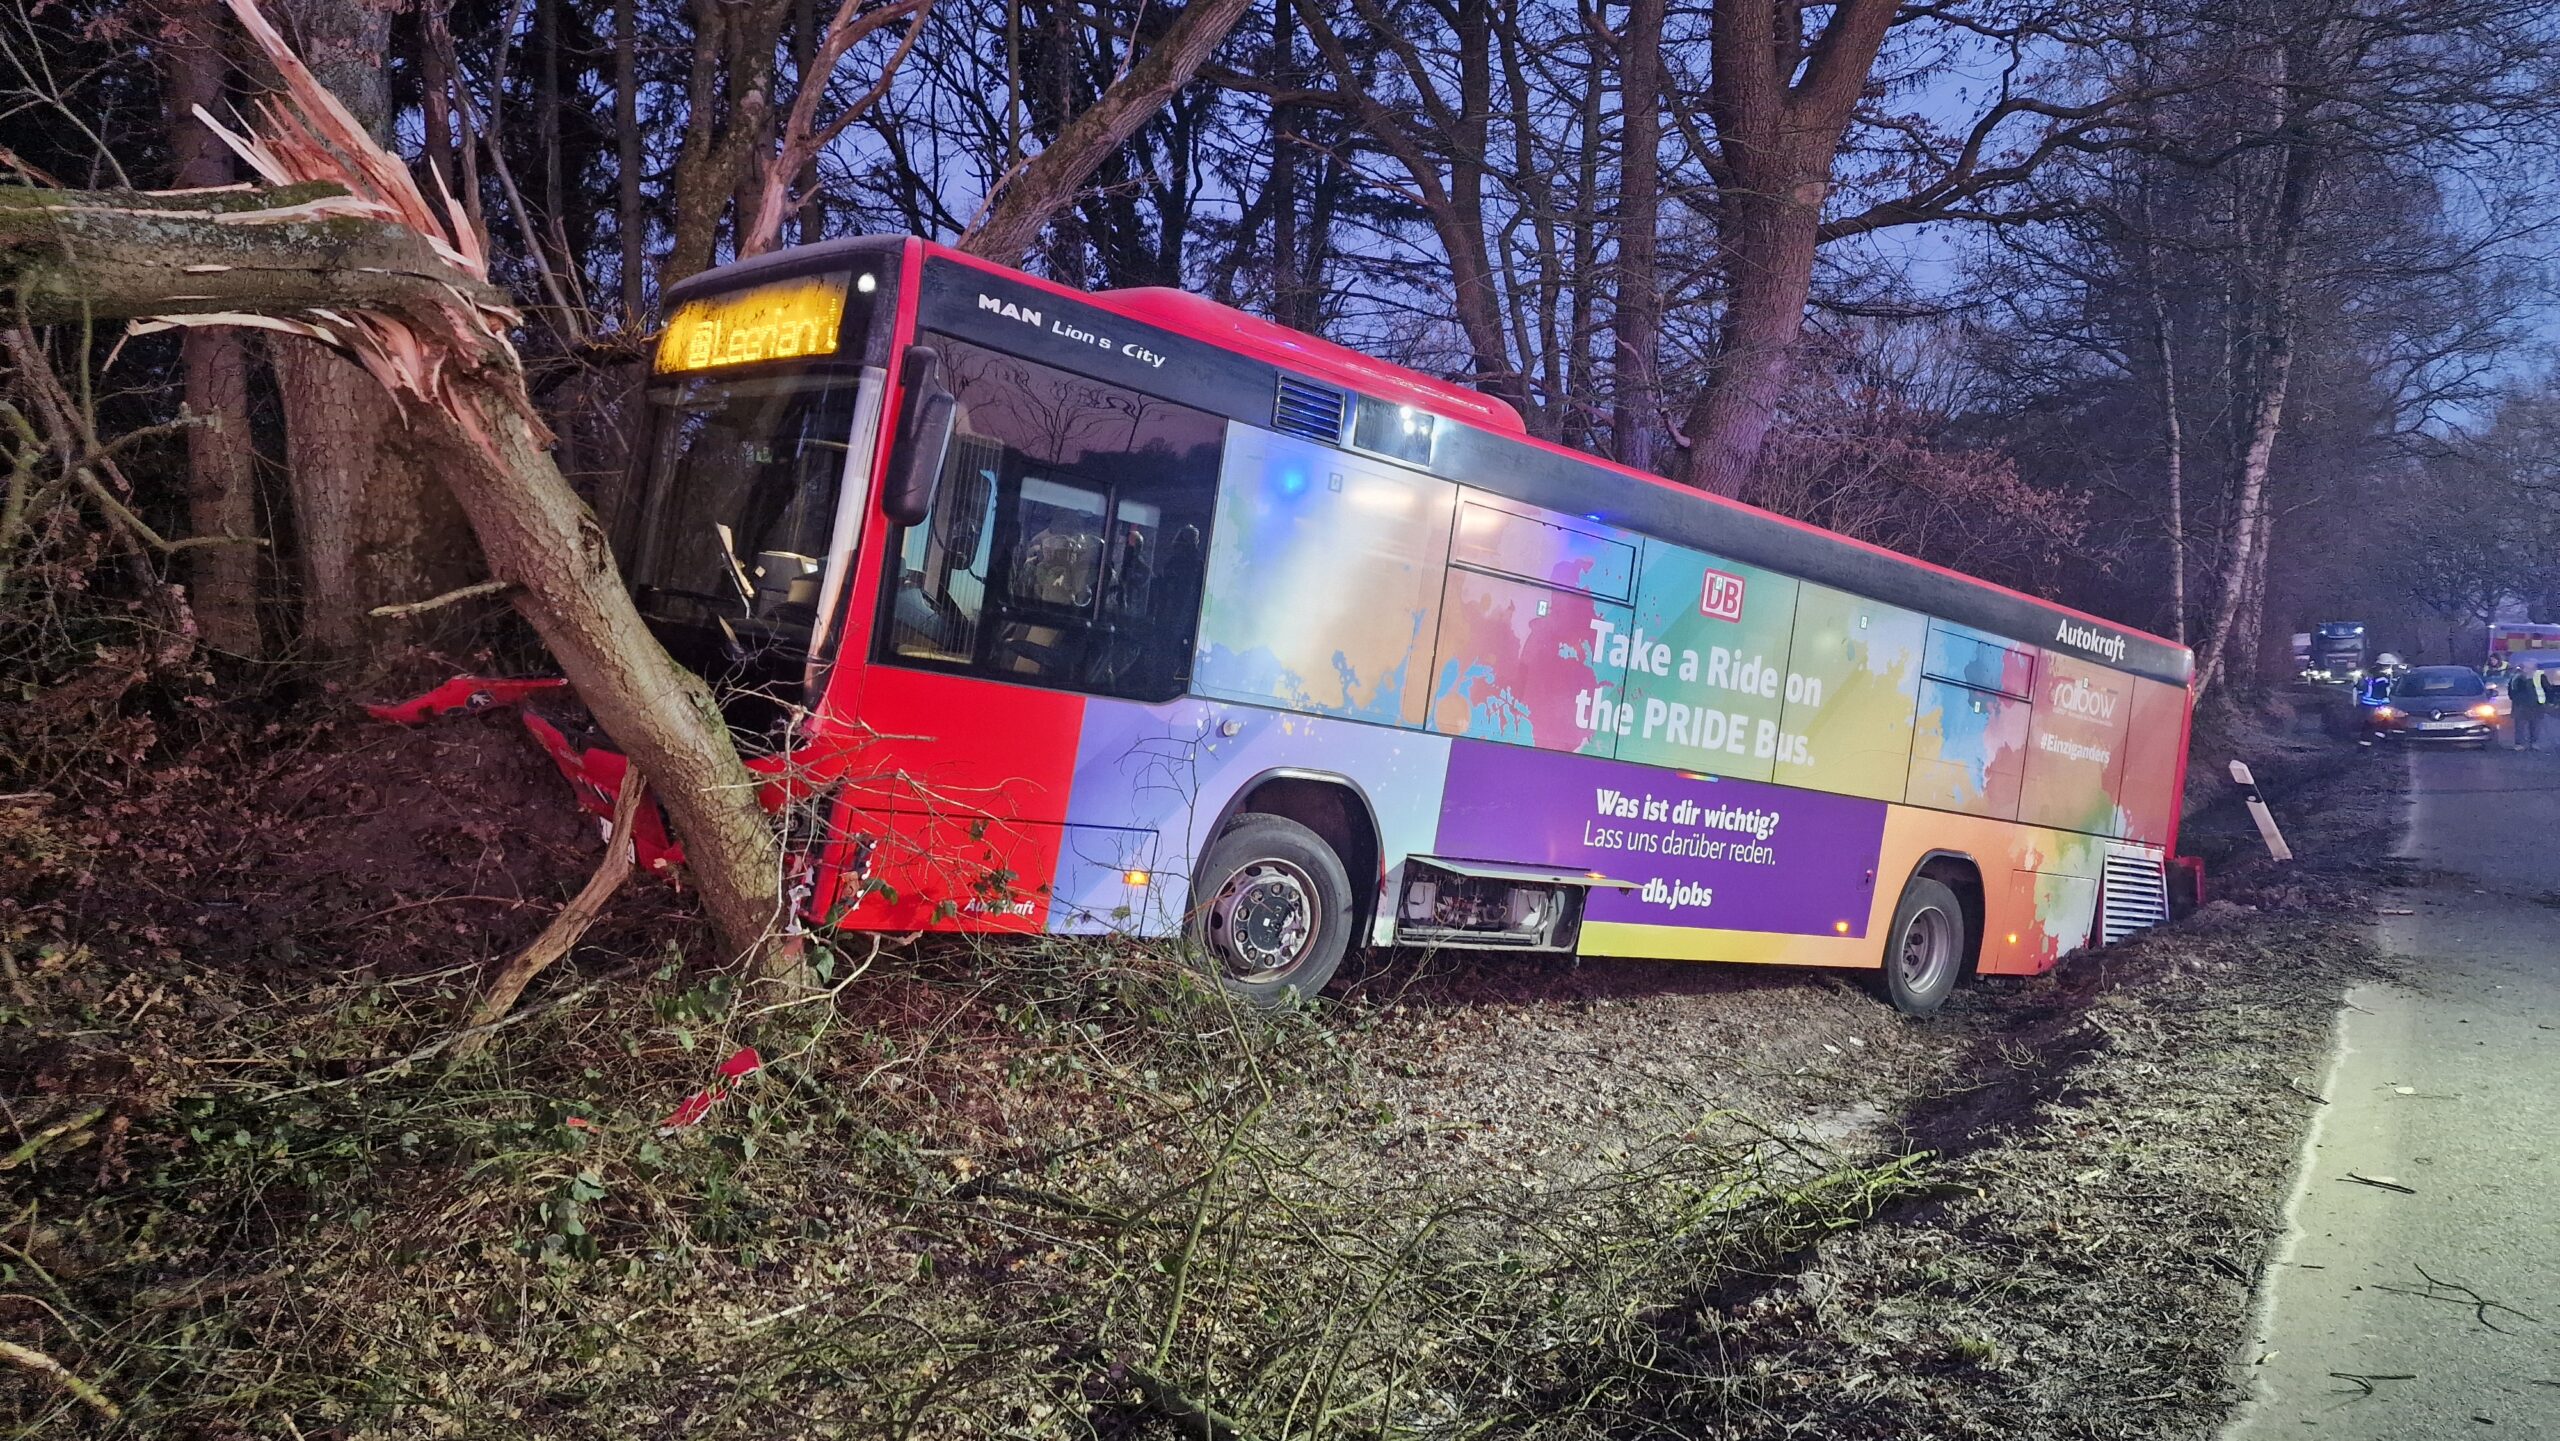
<point x="339" y="246"/>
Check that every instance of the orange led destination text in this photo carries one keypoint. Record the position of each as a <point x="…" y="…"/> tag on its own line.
<point x="780" y="321"/>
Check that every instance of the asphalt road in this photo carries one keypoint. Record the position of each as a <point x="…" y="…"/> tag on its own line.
<point x="2444" y="1299"/>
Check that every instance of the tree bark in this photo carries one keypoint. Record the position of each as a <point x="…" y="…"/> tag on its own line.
<point x="626" y="181"/>
<point x="1638" y="318"/>
<point x="222" y="479"/>
<point x="1048" y="182"/>
<point x="372" y="528"/>
<point x="2264" y="406"/>
<point x="1780" y="109"/>
<point x="1769" y="246"/>
<point x="728" y="116"/>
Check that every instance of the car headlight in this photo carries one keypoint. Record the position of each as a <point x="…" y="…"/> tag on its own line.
<point x="2384" y="712"/>
<point x="2485" y="711"/>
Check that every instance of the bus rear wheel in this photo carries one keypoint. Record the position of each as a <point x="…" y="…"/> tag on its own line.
<point x="1271" y="910"/>
<point x="1924" y="947"/>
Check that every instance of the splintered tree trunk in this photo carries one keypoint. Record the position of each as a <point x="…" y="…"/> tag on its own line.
<point x="539" y="535"/>
<point x="66" y="255"/>
<point x="222" y="478"/>
<point x="345" y="248"/>
<point x="373" y="529"/>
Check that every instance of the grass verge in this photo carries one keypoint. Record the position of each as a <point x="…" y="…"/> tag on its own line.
<point x="1053" y="1189"/>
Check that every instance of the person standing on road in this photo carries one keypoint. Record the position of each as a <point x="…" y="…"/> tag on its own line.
<point x="2525" y="696"/>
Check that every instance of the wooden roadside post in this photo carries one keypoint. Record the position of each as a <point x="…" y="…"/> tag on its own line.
<point x="2259" y="813"/>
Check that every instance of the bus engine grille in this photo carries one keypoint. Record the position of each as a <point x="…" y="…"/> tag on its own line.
<point x="2135" y="894"/>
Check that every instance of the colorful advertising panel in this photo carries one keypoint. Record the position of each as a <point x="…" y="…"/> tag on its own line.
<point x="1853" y="689"/>
<point x="2146" y="793"/>
<point x="1173" y="771"/>
<point x="1971" y="751"/>
<point x="1979" y="659"/>
<point x="1324" y="581"/>
<point x="1504" y="536"/>
<point x="1517" y="663"/>
<point x="1706" y="664"/>
<point x="1697" y="851"/>
<point x="2076" y="745"/>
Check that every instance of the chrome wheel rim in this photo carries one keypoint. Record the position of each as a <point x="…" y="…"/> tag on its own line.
<point x="1928" y="949"/>
<point x="1262" y="922"/>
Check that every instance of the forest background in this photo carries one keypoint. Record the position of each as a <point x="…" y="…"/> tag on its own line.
<point x="2217" y="317"/>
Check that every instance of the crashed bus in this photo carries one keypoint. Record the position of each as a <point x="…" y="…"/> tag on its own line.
<point x="1127" y="612"/>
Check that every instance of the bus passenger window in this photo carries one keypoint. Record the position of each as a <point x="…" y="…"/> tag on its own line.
<point x="1065" y="542"/>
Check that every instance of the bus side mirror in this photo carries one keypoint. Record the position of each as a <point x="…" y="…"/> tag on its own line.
<point x="931" y="411"/>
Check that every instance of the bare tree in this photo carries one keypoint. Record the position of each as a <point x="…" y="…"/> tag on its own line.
<point x="222" y="480"/>
<point x="373" y="527"/>
<point x="1044" y="185"/>
<point x="803" y="137"/>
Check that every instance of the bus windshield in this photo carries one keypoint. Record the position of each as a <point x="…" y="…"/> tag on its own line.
<point x="730" y="561"/>
<point x="753" y="398"/>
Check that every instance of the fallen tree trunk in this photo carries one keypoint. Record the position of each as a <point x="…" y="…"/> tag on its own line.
<point x="339" y="245"/>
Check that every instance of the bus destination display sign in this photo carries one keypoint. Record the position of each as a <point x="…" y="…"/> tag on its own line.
<point x="785" y="320"/>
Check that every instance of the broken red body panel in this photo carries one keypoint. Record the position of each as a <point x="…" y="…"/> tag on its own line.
<point x="463" y="695"/>
<point x="596" y="775"/>
<point x="738" y="1067"/>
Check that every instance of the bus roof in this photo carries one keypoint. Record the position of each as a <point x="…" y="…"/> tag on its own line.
<point x="1492" y="445"/>
<point x="1311" y="355"/>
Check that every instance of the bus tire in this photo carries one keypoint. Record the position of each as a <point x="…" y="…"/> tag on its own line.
<point x="1924" y="947"/>
<point x="1271" y="910"/>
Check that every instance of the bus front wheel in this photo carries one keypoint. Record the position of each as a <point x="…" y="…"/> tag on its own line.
<point x="1924" y="948"/>
<point x="1271" y="909"/>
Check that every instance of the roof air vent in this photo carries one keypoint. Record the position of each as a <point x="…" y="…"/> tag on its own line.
<point x="1308" y="410"/>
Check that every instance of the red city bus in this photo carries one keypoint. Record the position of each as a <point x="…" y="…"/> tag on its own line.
<point x="1131" y="613"/>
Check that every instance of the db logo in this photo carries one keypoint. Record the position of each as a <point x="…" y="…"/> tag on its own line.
<point x="1723" y="597"/>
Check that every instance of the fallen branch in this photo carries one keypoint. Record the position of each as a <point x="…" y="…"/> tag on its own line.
<point x="338" y="241"/>
<point x="2461" y="1295"/>
<point x="2365" y="1383"/>
<point x="565" y="928"/>
<point x="1188" y="1416"/>
<point x="49" y="1135"/>
<point x="30" y="1359"/>
<point x="437" y="602"/>
<point x="2379" y="1185"/>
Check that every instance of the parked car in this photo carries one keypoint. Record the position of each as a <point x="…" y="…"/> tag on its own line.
<point x="2448" y="703"/>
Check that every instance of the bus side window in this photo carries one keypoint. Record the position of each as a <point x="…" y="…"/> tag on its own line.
<point x="1065" y="543"/>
